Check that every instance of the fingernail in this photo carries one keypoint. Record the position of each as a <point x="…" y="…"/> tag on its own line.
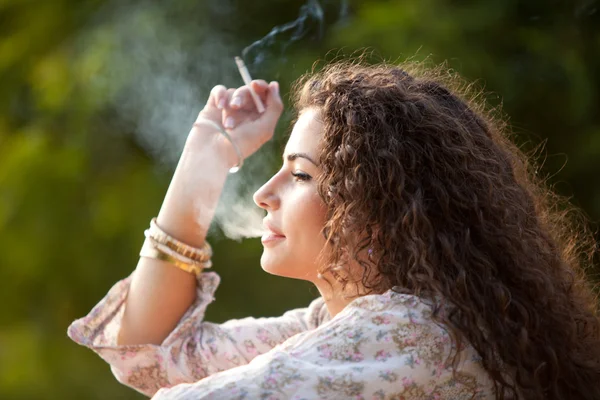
<point x="221" y="104"/>
<point x="229" y="123"/>
<point x="276" y="87"/>
<point x="237" y="102"/>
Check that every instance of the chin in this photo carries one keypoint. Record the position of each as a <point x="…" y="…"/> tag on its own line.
<point x="278" y="266"/>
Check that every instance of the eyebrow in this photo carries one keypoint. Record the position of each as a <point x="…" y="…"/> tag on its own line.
<point x="292" y="156"/>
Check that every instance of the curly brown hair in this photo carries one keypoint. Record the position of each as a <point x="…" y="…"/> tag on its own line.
<point x="451" y="209"/>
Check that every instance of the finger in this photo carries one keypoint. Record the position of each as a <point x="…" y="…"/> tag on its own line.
<point x="260" y="86"/>
<point x="240" y="98"/>
<point x="228" y="120"/>
<point x="227" y="97"/>
<point x="274" y="104"/>
<point x="218" y="96"/>
<point x="243" y="98"/>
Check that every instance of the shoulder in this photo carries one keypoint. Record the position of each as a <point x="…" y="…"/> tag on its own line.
<point x="317" y="313"/>
<point x="401" y="305"/>
<point x="391" y="312"/>
<point x="390" y="340"/>
<point x="373" y="327"/>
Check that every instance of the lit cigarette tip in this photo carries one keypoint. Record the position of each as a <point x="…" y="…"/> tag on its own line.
<point x="240" y="62"/>
<point x="247" y="80"/>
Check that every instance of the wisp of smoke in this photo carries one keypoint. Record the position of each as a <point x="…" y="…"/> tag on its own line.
<point x="162" y="75"/>
<point x="297" y="29"/>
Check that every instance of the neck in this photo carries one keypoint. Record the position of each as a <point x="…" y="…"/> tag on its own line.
<point x="335" y="305"/>
<point x="336" y="297"/>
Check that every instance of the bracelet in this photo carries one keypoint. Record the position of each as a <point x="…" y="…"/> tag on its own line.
<point x="160" y="245"/>
<point x="223" y="132"/>
<point x="207" y="263"/>
<point x="172" y="253"/>
<point x="150" y="251"/>
<point x="159" y="236"/>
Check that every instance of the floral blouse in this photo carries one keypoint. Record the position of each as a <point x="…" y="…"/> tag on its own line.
<point x="380" y="346"/>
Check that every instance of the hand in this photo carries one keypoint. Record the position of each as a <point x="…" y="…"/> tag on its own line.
<point x="234" y="110"/>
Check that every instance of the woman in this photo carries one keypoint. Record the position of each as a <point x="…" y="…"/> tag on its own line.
<point x="444" y="269"/>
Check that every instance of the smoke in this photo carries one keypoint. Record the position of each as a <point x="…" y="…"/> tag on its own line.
<point x="163" y="74"/>
<point x="159" y="76"/>
<point x="310" y="21"/>
<point x="310" y="14"/>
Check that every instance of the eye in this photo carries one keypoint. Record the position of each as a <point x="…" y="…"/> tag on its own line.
<point x="301" y="176"/>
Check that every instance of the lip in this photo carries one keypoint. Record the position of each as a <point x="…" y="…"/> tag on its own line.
<point x="272" y="235"/>
<point x="270" y="238"/>
<point x="272" y="229"/>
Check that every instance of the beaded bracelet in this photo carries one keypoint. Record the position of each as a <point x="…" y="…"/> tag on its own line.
<point x="161" y="246"/>
<point x="196" y="254"/>
<point x="172" y="253"/>
<point x="151" y="251"/>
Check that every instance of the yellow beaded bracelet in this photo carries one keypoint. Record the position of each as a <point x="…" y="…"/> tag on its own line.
<point x="151" y="251"/>
<point x="159" y="236"/>
<point x="160" y="245"/>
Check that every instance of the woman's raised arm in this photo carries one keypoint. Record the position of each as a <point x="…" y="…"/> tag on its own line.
<point x="160" y="294"/>
<point x="149" y="327"/>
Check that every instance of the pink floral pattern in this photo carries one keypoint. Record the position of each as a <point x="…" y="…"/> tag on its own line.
<point x="379" y="347"/>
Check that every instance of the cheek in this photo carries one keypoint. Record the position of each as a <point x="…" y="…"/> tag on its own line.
<point x="308" y="216"/>
<point x="302" y="218"/>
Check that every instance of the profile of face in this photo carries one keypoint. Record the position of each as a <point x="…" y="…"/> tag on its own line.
<point x="295" y="211"/>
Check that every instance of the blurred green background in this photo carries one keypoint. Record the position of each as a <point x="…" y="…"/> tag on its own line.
<point x="97" y="96"/>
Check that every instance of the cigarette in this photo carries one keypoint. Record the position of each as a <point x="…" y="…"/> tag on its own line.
<point x="247" y="79"/>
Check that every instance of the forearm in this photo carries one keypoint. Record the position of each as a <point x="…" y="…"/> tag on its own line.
<point x="160" y="293"/>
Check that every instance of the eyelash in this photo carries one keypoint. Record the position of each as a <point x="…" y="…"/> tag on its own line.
<point x="301" y="176"/>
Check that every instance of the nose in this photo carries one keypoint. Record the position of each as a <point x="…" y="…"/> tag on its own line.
<point x="266" y="197"/>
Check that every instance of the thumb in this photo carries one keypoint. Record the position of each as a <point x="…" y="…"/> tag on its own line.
<point x="274" y="104"/>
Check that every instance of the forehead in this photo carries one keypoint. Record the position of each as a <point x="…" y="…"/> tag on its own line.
<point x="306" y="134"/>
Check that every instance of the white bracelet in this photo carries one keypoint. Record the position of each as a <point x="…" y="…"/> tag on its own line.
<point x="237" y="167"/>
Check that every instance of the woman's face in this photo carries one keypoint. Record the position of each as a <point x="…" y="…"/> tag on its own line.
<point x="295" y="212"/>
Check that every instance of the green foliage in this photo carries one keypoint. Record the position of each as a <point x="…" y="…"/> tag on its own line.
<point x="78" y="185"/>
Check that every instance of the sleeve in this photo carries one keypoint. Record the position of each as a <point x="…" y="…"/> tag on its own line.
<point x="376" y="348"/>
<point x="195" y="349"/>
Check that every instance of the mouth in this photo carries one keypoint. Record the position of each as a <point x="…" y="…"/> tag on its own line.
<point x="272" y="234"/>
<point x="271" y="238"/>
